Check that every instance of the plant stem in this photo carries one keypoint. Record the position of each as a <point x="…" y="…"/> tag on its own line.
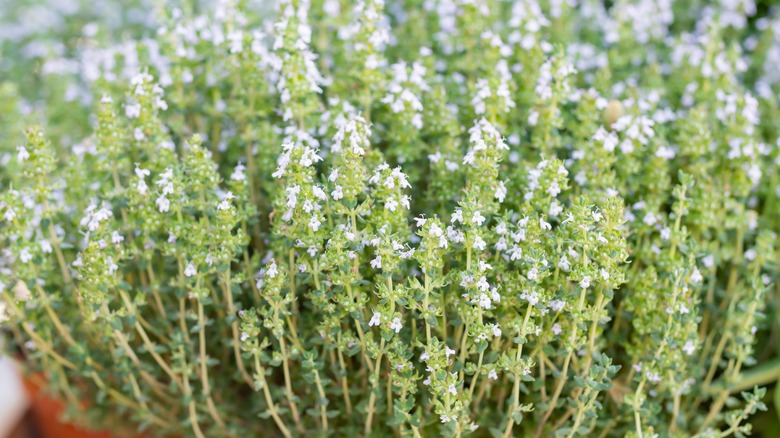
<point x="564" y="370"/>
<point x="516" y="388"/>
<point x="288" y="383"/>
<point x="191" y="405"/>
<point x="323" y="399"/>
<point x="268" y="399"/>
<point x="147" y="342"/>
<point x="231" y="310"/>
<point x="344" y="383"/>
<point x="204" y="371"/>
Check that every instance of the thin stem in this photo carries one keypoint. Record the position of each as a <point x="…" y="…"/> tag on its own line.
<point x="231" y="310"/>
<point x="147" y="342"/>
<point x="344" y="383"/>
<point x="580" y="413"/>
<point x="291" y="276"/>
<point x="564" y="370"/>
<point x="378" y="367"/>
<point x="191" y="405"/>
<point x="268" y="399"/>
<point x="204" y="371"/>
<point x="288" y="383"/>
<point x="64" y="332"/>
<point x="323" y="399"/>
<point x="516" y="388"/>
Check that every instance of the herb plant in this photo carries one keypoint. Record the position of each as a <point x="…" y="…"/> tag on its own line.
<point x="393" y="218"/>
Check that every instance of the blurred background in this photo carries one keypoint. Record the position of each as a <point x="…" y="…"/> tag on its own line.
<point x="14" y="402"/>
<point x="25" y="409"/>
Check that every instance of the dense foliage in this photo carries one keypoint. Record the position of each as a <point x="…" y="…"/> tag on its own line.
<point x="410" y="218"/>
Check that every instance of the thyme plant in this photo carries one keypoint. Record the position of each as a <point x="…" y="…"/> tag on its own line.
<point x="393" y="218"/>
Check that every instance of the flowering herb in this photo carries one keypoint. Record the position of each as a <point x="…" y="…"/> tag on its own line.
<point x="386" y="218"/>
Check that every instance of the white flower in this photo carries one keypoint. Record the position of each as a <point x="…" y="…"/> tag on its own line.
<point x="689" y="348"/>
<point x="314" y="223"/>
<point x="23" y="155"/>
<point x="9" y="214"/>
<point x="396" y="325"/>
<point x="556" y="305"/>
<point x="95" y="216"/>
<point x="493" y="375"/>
<point x="142" y="187"/>
<point x="556" y="329"/>
<point x="653" y="376"/>
<point x="133" y="110"/>
<point x="272" y="271"/>
<point x="585" y="283"/>
<point x="554" y="189"/>
<point x="500" y="192"/>
<point x="45" y="246"/>
<point x="484" y="266"/>
<point x="377" y="263"/>
<point x="25" y="256"/>
<point x="532" y="297"/>
<point x="452" y="390"/>
<point x="338" y="193"/>
<point x="163" y="204"/>
<point x="190" y="270"/>
<point x="564" y="263"/>
<point x="533" y="118"/>
<point x="448" y="351"/>
<point x="376" y="319"/>
<point x="477" y="218"/>
<point x="116" y="238"/>
<point x="484" y="301"/>
<point x="604" y="274"/>
<point x="420" y="221"/>
<point x="696" y="276"/>
<point x="544" y="225"/>
<point x="112" y="267"/>
<point x="238" y="173"/>
<point x="496" y="330"/>
<point x="555" y="208"/>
